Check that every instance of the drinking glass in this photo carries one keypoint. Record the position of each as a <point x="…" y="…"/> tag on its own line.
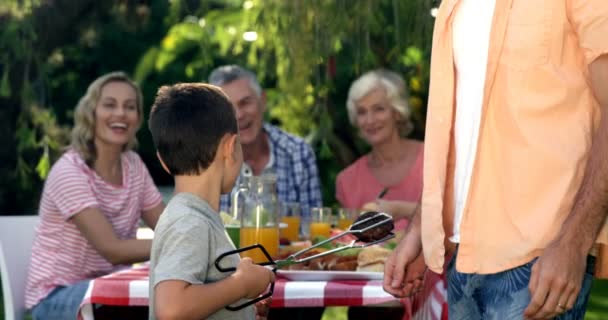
<point x="290" y="215"/>
<point x="320" y="223"/>
<point x="346" y="217"/>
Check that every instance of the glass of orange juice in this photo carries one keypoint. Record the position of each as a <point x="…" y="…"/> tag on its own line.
<point x="320" y="222"/>
<point x="290" y="215"/>
<point x="346" y="217"/>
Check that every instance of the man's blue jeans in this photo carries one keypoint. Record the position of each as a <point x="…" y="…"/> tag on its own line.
<point x="62" y="303"/>
<point x="503" y="295"/>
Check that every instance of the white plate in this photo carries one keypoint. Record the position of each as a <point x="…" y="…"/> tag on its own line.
<point x="303" y="275"/>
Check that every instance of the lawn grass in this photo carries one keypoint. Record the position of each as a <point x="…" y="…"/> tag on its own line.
<point x="335" y="313"/>
<point x="596" y="310"/>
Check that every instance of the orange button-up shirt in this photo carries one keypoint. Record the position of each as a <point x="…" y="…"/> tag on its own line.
<point x="538" y="118"/>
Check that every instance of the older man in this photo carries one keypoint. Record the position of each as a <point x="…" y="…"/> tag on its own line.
<point x="266" y="148"/>
<point x="270" y="150"/>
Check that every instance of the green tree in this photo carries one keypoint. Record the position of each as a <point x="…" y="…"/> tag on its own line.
<point x="306" y="54"/>
<point x="49" y="53"/>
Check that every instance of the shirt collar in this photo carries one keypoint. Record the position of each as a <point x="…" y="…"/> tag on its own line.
<point x="246" y="170"/>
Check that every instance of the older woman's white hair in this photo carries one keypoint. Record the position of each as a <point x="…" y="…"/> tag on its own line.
<point x="396" y="93"/>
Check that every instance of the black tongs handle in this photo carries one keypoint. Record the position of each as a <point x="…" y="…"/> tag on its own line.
<point x="231" y="269"/>
<point x="252" y="247"/>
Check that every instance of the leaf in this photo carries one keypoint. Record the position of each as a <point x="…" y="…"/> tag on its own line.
<point x="390" y="245"/>
<point x="181" y="38"/>
<point x="145" y="66"/>
<point x="412" y="56"/>
<point x="349" y="252"/>
<point x="22" y="172"/>
<point x="325" y="152"/>
<point x="318" y="239"/>
<point x="26" y="138"/>
<point x="44" y="165"/>
<point x="5" y="86"/>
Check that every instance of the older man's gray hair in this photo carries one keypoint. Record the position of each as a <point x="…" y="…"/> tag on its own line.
<point x="228" y="73"/>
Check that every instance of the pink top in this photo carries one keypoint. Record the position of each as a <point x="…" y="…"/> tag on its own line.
<point x="356" y="185"/>
<point x="61" y="255"/>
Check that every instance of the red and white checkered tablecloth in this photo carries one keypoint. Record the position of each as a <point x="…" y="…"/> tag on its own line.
<point x="130" y="288"/>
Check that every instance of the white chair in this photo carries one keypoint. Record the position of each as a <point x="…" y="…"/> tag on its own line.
<point x="16" y="238"/>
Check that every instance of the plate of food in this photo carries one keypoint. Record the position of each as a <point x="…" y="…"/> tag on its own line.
<point x="353" y="264"/>
<point x="361" y="257"/>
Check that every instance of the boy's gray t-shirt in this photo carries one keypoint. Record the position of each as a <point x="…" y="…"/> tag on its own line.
<point x="189" y="236"/>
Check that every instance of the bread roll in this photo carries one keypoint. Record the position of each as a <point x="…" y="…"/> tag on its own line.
<point x="372" y="255"/>
<point x="374" y="267"/>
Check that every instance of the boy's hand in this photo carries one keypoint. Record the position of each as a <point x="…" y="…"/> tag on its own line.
<point x="254" y="278"/>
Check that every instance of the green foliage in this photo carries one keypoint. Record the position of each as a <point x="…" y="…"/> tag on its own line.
<point x="35" y="130"/>
<point x="306" y="54"/>
<point x="5" y="86"/>
<point x="38" y="133"/>
<point x="46" y="65"/>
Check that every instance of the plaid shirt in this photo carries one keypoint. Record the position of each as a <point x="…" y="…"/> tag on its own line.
<point x="295" y="166"/>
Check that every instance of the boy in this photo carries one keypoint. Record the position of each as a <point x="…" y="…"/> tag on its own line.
<point x="195" y="132"/>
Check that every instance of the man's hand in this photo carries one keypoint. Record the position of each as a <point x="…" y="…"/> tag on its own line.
<point x="558" y="274"/>
<point x="262" y="308"/>
<point x="556" y="280"/>
<point x="404" y="268"/>
<point x="414" y="275"/>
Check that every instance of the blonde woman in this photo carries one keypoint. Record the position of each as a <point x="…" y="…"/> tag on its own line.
<point x="92" y="201"/>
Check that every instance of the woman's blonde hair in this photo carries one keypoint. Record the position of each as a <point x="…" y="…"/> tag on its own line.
<point x="83" y="133"/>
<point x="396" y="93"/>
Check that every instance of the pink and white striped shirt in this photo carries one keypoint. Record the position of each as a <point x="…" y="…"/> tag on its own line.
<point x="61" y="255"/>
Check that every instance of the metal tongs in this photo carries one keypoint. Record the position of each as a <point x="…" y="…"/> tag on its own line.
<point x="358" y="228"/>
<point x="370" y="228"/>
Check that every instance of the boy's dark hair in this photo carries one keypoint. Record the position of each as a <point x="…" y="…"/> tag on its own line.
<point x="187" y="122"/>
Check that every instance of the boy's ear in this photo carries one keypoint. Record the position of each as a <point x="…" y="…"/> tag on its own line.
<point x="162" y="163"/>
<point x="230" y="144"/>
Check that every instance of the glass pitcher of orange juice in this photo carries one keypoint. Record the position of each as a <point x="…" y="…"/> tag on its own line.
<point x="259" y="216"/>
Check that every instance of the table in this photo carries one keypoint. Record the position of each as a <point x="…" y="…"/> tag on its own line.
<point x="129" y="287"/>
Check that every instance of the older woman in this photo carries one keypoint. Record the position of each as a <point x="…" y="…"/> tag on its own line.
<point x="377" y="106"/>
<point x="92" y="201"/>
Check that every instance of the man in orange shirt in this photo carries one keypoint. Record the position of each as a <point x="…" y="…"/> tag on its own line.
<point x="515" y="170"/>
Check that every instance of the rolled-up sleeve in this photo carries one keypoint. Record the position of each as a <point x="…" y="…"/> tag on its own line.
<point x="589" y="19"/>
